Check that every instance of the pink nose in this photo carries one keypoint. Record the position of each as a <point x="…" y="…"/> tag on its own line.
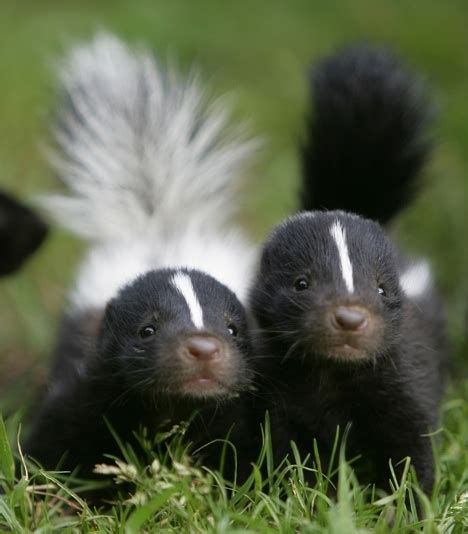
<point x="203" y="348"/>
<point x="348" y="318"/>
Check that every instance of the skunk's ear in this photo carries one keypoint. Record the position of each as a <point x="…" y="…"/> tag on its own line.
<point x="21" y="233"/>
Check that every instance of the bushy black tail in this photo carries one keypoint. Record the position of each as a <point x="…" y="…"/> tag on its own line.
<point x="21" y="233"/>
<point x="368" y="137"/>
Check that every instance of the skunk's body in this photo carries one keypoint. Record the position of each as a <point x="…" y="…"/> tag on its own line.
<point x="353" y="337"/>
<point x="152" y="176"/>
<point x="367" y="135"/>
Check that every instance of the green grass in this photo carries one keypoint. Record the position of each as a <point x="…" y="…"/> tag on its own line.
<point x="258" y="51"/>
<point x="168" y="493"/>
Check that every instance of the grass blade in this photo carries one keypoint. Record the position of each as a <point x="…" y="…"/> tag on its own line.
<point x="138" y="518"/>
<point x="7" y="462"/>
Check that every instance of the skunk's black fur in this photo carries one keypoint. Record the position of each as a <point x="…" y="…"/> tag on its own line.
<point x="367" y="138"/>
<point x="384" y="377"/>
<point x="151" y="172"/>
<point x="109" y="368"/>
<point x="21" y="234"/>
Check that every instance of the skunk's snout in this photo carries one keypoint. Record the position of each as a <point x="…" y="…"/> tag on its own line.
<point x="207" y="367"/>
<point x="349" y="318"/>
<point x="346" y="331"/>
<point x="203" y="348"/>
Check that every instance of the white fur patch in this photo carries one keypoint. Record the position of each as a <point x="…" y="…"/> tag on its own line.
<point x="140" y="148"/>
<point x="226" y="256"/>
<point x="416" y="279"/>
<point x="106" y="270"/>
<point x="184" y="286"/>
<point x="339" y="235"/>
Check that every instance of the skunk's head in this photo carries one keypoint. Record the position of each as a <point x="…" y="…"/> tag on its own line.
<point x="178" y="333"/>
<point x="328" y="286"/>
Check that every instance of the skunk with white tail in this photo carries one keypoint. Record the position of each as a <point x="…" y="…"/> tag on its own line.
<point x="155" y="329"/>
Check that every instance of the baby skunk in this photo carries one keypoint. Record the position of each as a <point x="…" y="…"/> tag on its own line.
<point x="171" y="343"/>
<point x="347" y="344"/>
<point x="155" y="327"/>
<point x="21" y="234"/>
<point x="354" y="331"/>
<point x="367" y="134"/>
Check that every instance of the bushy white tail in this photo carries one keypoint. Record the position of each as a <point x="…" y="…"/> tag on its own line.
<point x="139" y="149"/>
<point x="151" y="172"/>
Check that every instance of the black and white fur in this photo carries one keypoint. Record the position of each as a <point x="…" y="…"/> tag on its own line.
<point x="347" y="344"/>
<point x="152" y="172"/>
<point x="367" y="134"/>
<point x="368" y="141"/>
<point x="136" y="368"/>
<point x="155" y="329"/>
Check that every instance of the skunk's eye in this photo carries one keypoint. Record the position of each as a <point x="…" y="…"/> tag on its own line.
<point x="232" y="329"/>
<point x="301" y="283"/>
<point x="381" y="291"/>
<point x="147" y="331"/>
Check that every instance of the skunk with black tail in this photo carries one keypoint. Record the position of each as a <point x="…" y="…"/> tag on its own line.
<point x="354" y="332"/>
<point x="368" y="141"/>
<point x="155" y="328"/>
<point x="367" y="134"/>
<point x="347" y="344"/>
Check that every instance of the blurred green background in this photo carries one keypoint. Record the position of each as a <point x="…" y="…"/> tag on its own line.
<point x="260" y="52"/>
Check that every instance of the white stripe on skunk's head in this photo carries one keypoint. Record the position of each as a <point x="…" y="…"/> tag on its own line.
<point x="178" y="332"/>
<point x="339" y="235"/>
<point x="183" y="284"/>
